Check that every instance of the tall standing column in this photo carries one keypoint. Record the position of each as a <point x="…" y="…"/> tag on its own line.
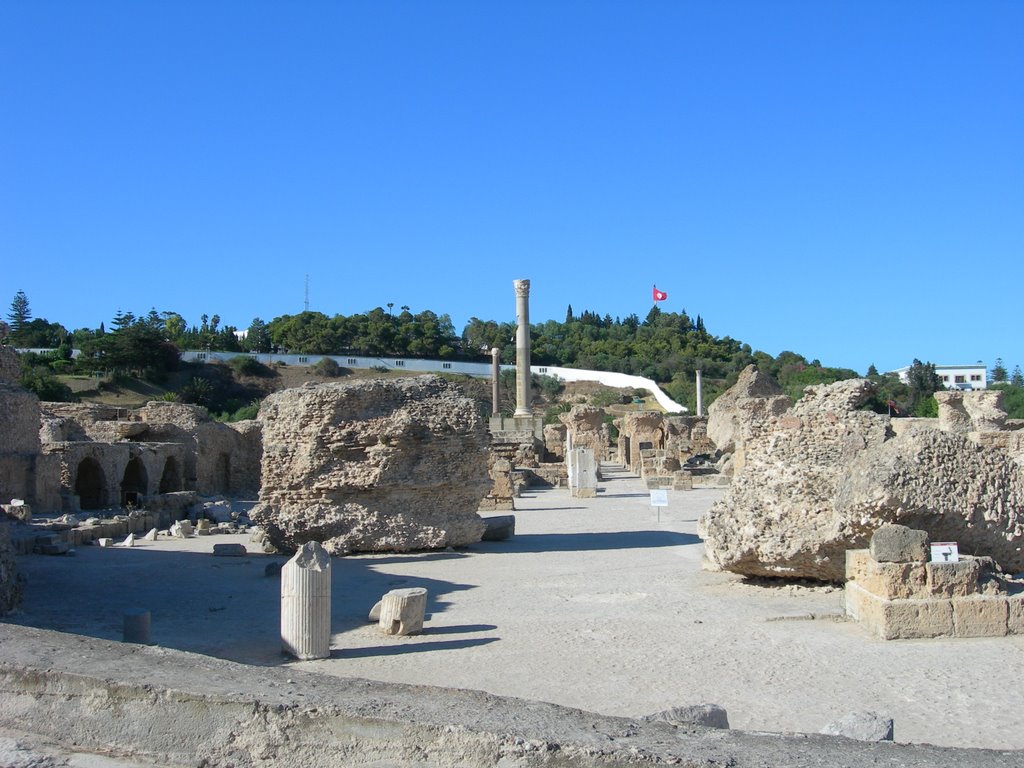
<point x="524" y="402"/>
<point x="700" y="395"/>
<point x="495" y="377"/>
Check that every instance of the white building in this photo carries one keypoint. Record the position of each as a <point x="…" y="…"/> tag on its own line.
<point x="956" y="376"/>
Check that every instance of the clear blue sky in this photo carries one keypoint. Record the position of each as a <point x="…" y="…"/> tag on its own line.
<point x="841" y="179"/>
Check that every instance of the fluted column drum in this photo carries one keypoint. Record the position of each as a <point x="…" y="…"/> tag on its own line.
<point x="306" y="603"/>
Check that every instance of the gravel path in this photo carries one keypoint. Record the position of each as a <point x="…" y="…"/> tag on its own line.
<point x="595" y="603"/>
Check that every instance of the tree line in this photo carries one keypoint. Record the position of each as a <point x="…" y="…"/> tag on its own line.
<point x="667" y="347"/>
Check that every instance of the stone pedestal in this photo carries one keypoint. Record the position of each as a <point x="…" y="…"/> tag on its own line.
<point x="582" y="473"/>
<point x="306" y="603"/>
<point x="402" y="611"/>
<point x="136" y="627"/>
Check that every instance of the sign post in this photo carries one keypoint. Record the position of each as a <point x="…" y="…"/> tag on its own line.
<point x="659" y="499"/>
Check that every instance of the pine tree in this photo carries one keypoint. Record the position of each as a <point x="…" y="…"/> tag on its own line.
<point x="1017" y="379"/>
<point x="568" y="314"/>
<point x="872" y="371"/>
<point x="998" y="371"/>
<point x="20" y="313"/>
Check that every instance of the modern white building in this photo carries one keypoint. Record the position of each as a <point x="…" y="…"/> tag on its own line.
<point x="956" y="376"/>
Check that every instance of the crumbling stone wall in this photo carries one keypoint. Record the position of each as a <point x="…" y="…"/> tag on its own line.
<point x="377" y="465"/>
<point x="743" y="412"/>
<point x="10" y="370"/>
<point x="585" y="428"/>
<point x="640" y="430"/>
<point x="19" y="446"/>
<point x="554" y="442"/>
<point x="820" y="477"/>
<point x="777" y="517"/>
<point x="687" y="436"/>
<point x="10" y="587"/>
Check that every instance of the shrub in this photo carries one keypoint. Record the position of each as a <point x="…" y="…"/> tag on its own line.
<point x="326" y="366"/>
<point x="244" y="365"/>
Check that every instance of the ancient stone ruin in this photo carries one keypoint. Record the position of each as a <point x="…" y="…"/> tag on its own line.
<point x="896" y="592"/>
<point x="90" y="472"/>
<point x="818" y="478"/>
<point x="372" y="466"/>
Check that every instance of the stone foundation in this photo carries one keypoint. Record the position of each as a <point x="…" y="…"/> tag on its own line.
<point x="906" y="600"/>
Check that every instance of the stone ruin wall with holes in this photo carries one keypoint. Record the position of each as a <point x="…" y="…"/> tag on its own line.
<point x="373" y="465"/>
<point x="816" y="478"/>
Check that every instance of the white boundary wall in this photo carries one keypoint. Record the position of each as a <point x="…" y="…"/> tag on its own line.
<point x="481" y="370"/>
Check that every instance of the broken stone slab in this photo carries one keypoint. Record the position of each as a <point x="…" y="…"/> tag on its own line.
<point x="402" y="611"/>
<point x="499" y="528"/>
<point x="51" y="545"/>
<point x="306" y="603"/>
<point x="151" y="536"/>
<point x="182" y="529"/>
<point x="21" y="512"/>
<point x="129" y="541"/>
<point x="105" y="542"/>
<point x="707" y="715"/>
<point x="229" y="550"/>
<point x="863" y="726"/>
<point x="899" y="544"/>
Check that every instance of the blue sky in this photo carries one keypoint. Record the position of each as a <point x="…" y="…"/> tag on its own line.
<point x="840" y="179"/>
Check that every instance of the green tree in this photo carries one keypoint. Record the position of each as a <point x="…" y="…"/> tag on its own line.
<point x="257" y="337"/>
<point x="923" y="382"/>
<point x="1017" y="378"/>
<point x="19" y="313"/>
<point x="998" y="372"/>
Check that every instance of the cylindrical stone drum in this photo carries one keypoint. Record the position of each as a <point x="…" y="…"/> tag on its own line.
<point x="306" y="603"/>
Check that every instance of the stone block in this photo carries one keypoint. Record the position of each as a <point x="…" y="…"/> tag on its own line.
<point x="908" y="619"/>
<point x="899" y="619"/>
<point x="887" y="580"/>
<point x="229" y="550"/>
<point x="654" y="483"/>
<point x="980" y="617"/>
<point x="105" y="542"/>
<point x="707" y="715"/>
<point x="863" y="726"/>
<point x="899" y="544"/>
<point x="499" y="528"/>
<point x="682" y="481"/>
<point x="57" y="547"/>
<point x="21" y="512"/>
<point x="203" y="527"/>
<point x="1015" y="615"/>
<point x="953" y="579"/>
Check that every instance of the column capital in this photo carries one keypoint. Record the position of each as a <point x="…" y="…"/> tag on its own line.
<point x="522" y="288"/>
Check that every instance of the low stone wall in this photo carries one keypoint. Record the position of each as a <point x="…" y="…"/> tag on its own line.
<point x="185" y="709"/>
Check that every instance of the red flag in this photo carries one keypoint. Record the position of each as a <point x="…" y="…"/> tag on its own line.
<point x="659" y="295"/>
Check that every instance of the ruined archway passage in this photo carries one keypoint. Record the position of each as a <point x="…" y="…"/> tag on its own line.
<point x="223" y="473"/>
<point x="170" y="480"/>
<point x="134" y="484"/>
<point x="91" y="485"/>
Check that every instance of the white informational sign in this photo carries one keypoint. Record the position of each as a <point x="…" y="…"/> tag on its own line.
<point x="945" y="552"/>
<point x="659" y="498"/>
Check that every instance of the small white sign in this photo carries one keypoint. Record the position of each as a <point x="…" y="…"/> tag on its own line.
<point x="945" y="552"/>
<point x="659" y="497"/>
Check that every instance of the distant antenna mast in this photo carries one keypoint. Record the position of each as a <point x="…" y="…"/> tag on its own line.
<point x="307" y="292"/>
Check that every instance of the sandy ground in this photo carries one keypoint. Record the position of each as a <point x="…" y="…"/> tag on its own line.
<point x="599" y="604"/>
